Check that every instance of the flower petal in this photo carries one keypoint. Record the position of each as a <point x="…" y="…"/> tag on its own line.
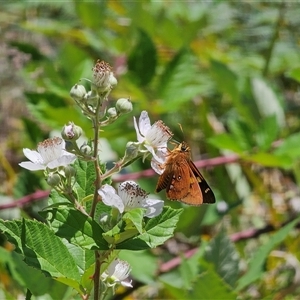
<point x="110" y="197"/>
<point x="158" y="160"/>
<point x="32" y="166"/>
<point x="139" y="137"/>
<point x="158" y="135"/>
<point x="144" y="123"/>
<point x="33" y="156"/>
<point x="154" y="207"/>
<point x="126" y="283"/>
<point x="64" y="160"/>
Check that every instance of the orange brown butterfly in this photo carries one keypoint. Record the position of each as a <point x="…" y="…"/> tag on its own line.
<point x="182" y="180"/>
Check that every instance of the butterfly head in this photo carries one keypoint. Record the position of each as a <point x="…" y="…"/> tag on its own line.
<point x="184" y="147"/>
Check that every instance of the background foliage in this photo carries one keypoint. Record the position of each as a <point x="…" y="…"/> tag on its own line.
<point x="228" y="72"/>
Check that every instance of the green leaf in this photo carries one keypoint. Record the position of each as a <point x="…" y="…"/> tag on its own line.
<point x="241" y="133"/>
<point x="222" y="254"/>
<point x="136" y="259"/>
<point x="295" y="74"/>
<point x="182" y="81"/>
<point x="270" y="160"/>
<point x="255" y="269"/>
<point x="210" y="286"/>
<point x="289" y="147"/>
<point x="267" y="133"/>
<point x="206" y="286"/>
<point x="42" y="250"/>
<point x="135" y="216"/>
<point x="226" y="80"/>
<point x="78" y="228"/>
<point x="226" y="141"/>
<point x="85" y="178"/>
<point x="156" y="231"/>
<point x="267" y="101"/>
<point x="27" y="277"/>
<point x="142" y="59"/>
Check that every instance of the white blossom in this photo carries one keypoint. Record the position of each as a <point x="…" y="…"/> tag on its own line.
<point x="117" y="273"/>
<point x="153" y="137"/>
<point x="50" y="154"/>
<point x="130" y="196"/>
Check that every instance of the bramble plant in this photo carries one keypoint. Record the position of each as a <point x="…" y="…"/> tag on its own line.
<point x="88" y="222"/>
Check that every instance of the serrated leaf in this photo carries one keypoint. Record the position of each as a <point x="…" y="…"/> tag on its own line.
<point x="85" y="178"/>
<point x="156" y="231"/>
<point x="255" y="269"/>
<point x="210" y="286"/>
<point x="222" y="254"/>
<point x="136" y="216"/>
<point x="76" y="227"/>
<point x="42" y="249"/>
<point x="142" y="59"/>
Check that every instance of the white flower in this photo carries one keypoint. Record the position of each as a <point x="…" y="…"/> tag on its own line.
<point x="50" y="154"/>
<point x="154" y="138"/>
<point x="130" y="196"/>
<point x="116" y="273"/>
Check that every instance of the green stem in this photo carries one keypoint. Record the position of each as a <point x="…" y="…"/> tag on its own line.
<point x="96" y="124"/>
<point x="274" y="38"/>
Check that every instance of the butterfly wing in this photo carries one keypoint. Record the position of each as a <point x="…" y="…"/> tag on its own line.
<point x="175" y="179"/>
<point x="206" y="192"/>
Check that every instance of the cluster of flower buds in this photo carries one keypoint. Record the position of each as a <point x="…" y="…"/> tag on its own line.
<point x="91" y="102"/>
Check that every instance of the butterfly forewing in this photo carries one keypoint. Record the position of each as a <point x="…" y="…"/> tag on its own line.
<point x="207" y="194"/>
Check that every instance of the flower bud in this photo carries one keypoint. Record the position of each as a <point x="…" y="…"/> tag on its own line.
<point x="77" y="92"/>
<point x="53" y="180"/>
<point x="124" y="106"/>
<point x="132" y="150"/>
<point x="71" y="132"/>
<point x="112" y="112"/>
<point x="102" y="73"/>
<point x="113" y="80"/>
<point x="69" y="171"/>
<point x="86" y="149"/>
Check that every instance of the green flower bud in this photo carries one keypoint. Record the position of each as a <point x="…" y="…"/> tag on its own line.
<point x="78" y="92"/>
<point x="113" y="80"/>
<point x="86" y="149"/>
<point x="71" y="132"/>
<point x="53" y="180"/>
<point x="124" y="106"/>
<point x="132" y="150"/>
<point x="112" y="112"/>
<point x="69" y="171"/>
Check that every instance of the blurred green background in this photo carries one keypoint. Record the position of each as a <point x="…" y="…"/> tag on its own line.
<point x="227" y="71"/>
